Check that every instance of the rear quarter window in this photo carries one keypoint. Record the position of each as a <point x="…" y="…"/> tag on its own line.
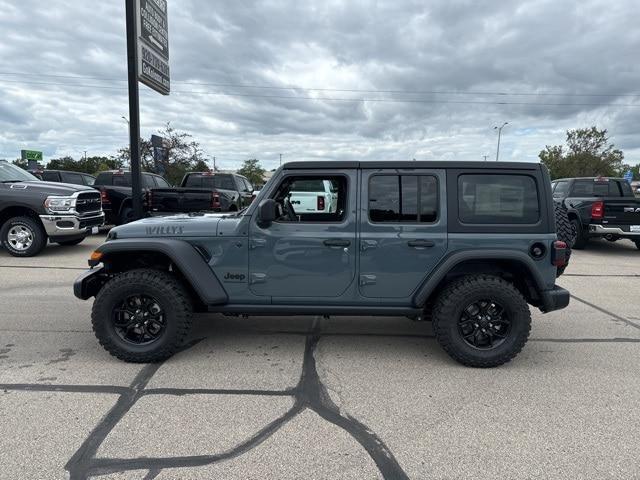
<point x="498" y="199"/>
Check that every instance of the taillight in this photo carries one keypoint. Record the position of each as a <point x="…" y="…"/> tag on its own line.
<point x="559" y="253"/>
<point x="597" y="209"/>
<point x="215" y="201"/>
<point x="320" y="203"/>
<point x="104" y="197"/>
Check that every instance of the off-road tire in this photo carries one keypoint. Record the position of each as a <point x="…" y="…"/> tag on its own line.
<point x="581" y="237"/>
<point x="456" y="296"/>
<point x="172" y="297"/>
<point x="69" y="243"/>
<point x="565" y="231"/>
<point x="38" y="236"/>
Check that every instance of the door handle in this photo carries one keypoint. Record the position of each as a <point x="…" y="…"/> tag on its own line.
<point x="421" y="243"/>
<point x="336" y="242"/>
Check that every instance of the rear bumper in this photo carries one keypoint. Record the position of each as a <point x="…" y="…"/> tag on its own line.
<point x="555" y="299"/>
<point x="595" y="229"/>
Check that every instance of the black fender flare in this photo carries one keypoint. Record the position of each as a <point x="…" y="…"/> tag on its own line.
<point x="456" y="258"/>
<point x="186" y="258"/>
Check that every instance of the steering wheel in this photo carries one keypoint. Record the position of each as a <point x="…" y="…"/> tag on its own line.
<point x="289" y="211"/>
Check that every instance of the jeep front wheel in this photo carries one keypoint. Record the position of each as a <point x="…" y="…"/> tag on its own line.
<point x="481" y="321"/>
<point x="142" y="315"/>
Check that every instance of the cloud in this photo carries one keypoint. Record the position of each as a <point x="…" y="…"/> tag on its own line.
<point x="433" y="75"/>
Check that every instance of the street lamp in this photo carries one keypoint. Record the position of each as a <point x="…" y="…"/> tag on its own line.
<point x="125" y="119"/>
<point x="499" y="135"/>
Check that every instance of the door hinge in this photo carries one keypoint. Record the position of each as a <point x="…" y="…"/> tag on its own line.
<point x="367" y="279"/>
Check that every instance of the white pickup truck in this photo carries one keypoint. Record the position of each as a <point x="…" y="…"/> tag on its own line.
<point x="314" y="196"/>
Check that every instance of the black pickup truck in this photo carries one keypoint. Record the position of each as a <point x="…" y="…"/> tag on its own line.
<point x="159" y="198"/>
<point x="33" y="212"/>
<point x="235" y="191"/>
<point x="599" y="207"/>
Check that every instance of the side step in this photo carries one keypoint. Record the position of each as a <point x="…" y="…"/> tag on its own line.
<point x="352" y="310"/>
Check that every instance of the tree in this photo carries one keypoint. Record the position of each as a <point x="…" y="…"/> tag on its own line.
<point x="91" y="165"/>
<point x="253" y="171"/>
<point x="588" y="153"/>
<point x="182" y="155"/>
<point x="21" y="163"/>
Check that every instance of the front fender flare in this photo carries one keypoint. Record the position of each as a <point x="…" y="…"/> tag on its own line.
<point x="183" y="255"/>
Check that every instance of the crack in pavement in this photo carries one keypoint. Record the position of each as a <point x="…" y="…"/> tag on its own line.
<point x="310" y="393"/>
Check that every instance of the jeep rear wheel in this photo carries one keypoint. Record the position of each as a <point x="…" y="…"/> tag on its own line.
<point x="142" y="315"/>
<point x="481" y="321"/>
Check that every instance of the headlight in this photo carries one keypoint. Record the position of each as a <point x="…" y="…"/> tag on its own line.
<point x="59" y="204"/>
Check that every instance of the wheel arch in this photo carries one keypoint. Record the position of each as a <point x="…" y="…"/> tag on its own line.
<point x="177" y="256"/>
<point x="516" y="267"/>
<point x="19" y="211"/>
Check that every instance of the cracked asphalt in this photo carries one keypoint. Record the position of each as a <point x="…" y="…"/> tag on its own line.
<point x="306" y="397"/>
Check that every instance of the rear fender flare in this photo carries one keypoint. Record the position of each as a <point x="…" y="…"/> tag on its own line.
<point x="451" y="261"/>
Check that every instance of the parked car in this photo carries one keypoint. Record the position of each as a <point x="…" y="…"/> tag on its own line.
<point x="64" y="176"/>
<point x="599" y="207"/>
<point x="235" y="191"/>
<point x="33" y="212"/>
<point x="115" y="191"/>
<point x="468" y="244"/>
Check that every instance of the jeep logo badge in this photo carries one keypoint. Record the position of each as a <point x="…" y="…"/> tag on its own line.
<point x="234" y="277"/>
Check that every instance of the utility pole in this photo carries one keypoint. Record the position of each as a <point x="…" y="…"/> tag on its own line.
<point x="499" y="135"/>
<point x="280" y="159"/>
<point x="214" y="164"/>
<point x="85" y="156"/>
<point x="134" y="109"/>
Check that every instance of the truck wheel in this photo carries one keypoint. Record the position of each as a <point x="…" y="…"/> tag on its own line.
<point x="126" y="216"/>
<point x="581" y="237"/>
<point x="565" y="231"/>
<point x="142" y="315"/>
<point x="481" y="321"/>
<point x="69" y="243"/>
<point x="23" y="236"/>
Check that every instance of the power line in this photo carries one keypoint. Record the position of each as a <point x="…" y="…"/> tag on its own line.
<point x="343" y="90"/>
<point x="349" y="100"/>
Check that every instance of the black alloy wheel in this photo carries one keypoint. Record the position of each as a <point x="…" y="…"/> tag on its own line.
<point x="484" y="324"/>
<point x="139" y="319"/>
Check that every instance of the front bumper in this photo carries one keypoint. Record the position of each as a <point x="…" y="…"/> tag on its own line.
<point x="595" y="229"/>
<point x="555" y="299"/>
<point x="70" y="225"/>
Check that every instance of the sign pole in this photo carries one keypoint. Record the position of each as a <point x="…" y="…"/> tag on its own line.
<point x="134" y="109"/>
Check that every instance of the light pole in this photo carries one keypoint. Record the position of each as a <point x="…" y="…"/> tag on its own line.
<point x="499" y="135"/>
<point x="280" y="159"/>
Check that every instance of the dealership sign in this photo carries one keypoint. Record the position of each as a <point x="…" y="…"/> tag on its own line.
<point x="153" y="44"/>
<point x="32" y="155"/>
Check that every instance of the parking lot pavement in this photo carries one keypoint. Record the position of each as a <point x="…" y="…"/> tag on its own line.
<point x="319" y="398"/>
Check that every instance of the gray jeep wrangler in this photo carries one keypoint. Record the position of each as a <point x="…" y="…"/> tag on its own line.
<point x="468" y="245"/>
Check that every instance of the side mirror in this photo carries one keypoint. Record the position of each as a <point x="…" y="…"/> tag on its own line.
<point x="267" y="212"/>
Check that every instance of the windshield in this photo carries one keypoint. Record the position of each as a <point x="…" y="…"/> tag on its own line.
<point x="11" y="173"/>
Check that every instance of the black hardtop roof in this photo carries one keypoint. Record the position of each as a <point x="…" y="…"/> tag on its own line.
<point x="403" y="164"/>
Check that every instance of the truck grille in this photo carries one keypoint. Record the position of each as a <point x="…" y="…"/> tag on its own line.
<point x="88" y="202"/>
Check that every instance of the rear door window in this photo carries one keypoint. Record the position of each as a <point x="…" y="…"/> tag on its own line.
<point x="561" y="189"/>
<point x="403" y="198"/>
<point x="498" y="199"/>
<point x="74" y="178"/>
<point x="122" y="179"/>
<point x="50" y="176"/>
<point x="194" y="181"/>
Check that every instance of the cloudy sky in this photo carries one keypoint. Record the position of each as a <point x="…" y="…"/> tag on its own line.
<point x="327" y="79"/>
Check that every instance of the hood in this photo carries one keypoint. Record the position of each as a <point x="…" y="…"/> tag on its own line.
<point x="48" y="188"/>
<point x="176" y="226"/>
